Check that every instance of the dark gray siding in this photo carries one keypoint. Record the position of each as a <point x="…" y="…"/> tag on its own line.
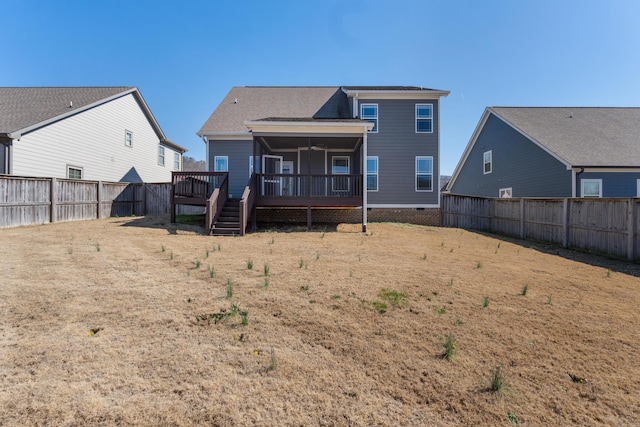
<point x="397" y="144"/>
<point x="238" y="153"/>
<point x="518" y="163"/>
<point x="614" y="184"/>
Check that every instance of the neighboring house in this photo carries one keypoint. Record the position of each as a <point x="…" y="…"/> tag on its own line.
<point x="552" y="152"/>
<point x="318" y="147"/>
<point x="92" y="133"/>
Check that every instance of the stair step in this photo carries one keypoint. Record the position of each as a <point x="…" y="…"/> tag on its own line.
<point x="226" y="231"/>
<point x="221" y="224"/>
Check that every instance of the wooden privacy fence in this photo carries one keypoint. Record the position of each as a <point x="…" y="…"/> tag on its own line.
<point x="26" y="201"/>
<point x="606" y="226"/>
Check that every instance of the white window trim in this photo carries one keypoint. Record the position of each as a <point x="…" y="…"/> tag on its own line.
<point x="424" y="118"/>
<point x="490" y="162"/>
<point x="502" y="191"/>
<point x="215" y="163"/>
<point x="376" y="173"/>
<point x="637" y="187"/>
<point x="162" y="156"/>
<point x="348" y="159"/>
<point x="416" y="174"/>
<point x="81" y="169"/>
<point x="584" y="181"/>
<point x="128" y="138"/>
<point x="377" y="126"/>
<point x="177" y="161"/>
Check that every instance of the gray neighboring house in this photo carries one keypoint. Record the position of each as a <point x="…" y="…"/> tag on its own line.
<point x="552" y="152"/>
<point x="92" y="133"/>
<point x="316" y="148"/>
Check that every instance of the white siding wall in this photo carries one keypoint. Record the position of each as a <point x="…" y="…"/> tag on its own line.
<point x="95" y="141"/>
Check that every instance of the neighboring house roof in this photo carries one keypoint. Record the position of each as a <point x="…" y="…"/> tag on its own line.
<point x="583" y="136"/>
<point x="290" y="103"/>
<point x="24" y="109"/>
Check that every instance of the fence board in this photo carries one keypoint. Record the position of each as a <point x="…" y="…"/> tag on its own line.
<point x="26" y="201"/>
<point x="606" y="226"/>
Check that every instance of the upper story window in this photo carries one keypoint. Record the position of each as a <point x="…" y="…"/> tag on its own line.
<point x="176" y="161"/>
<point x="591" y="187"/>
<point x="160" y="155"/>
<point x="369" y="112"/>
<point x="424" y="173"/>
<point x="221" y="164"/>
<point x="372" y="173"/>
<point x="424" y="118"/>
<point x="128" y="138"/>
<point x="74" y="172"/>
<point x="487" y="162"/>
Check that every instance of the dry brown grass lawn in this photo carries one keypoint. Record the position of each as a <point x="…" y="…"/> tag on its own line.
<point x="316" y="350"/>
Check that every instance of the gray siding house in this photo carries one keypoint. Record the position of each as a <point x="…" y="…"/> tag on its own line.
<point x="93" y="133"/>
<point x="552" y="152"/>
<point x="366" y="150"/>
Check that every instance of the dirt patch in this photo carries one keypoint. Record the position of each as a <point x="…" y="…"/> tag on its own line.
<point x="137" y="321"/>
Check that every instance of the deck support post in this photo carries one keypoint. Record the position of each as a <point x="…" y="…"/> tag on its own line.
<point x="364" y="182"/>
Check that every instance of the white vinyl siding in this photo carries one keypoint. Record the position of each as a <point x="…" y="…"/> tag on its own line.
<point x="94" y="139"/>
<point x="591" y="188"/>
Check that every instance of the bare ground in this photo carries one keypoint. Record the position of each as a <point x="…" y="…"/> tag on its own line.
<point x="316" y="349"/>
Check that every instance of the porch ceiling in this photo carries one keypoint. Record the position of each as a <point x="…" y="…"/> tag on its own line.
<point x="347" y="143"/>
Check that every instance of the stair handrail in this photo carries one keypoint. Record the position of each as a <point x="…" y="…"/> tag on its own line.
<point x="246" y="203"/>
<point x="215" y="203"/>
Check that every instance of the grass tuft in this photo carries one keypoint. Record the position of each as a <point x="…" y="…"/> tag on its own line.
<point x="450" y="347"/>
<point x="485" y="302"/>
<point x="497" y="380"/>
<point x="267" y="273"/>
<point x="249" y="264"/>
<point x="524" y="290"/>
<point x="229" y="289"/>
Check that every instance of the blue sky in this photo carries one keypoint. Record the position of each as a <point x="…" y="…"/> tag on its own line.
<point x="185" y="56"/>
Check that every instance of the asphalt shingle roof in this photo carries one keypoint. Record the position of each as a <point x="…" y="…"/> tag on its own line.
<point x="582" y="136"/>
<point x="259" y="102"/>
<point x="22" y="107"/>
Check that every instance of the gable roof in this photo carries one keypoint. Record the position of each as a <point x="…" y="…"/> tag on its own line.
<point x="584" y="136"/>
<point x="292" y="103"/>
<point x="23" y="109"/>
<point x="285" y="102"/>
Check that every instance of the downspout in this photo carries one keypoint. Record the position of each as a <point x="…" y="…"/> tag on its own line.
<point x="574" y="190"/>
<point x="206" y="145"/>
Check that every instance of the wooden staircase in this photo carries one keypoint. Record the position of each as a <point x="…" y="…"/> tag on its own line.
<point x="228" y="223"/>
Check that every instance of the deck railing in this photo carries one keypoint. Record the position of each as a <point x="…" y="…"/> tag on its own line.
<point x="216" y="202"/>
<point x="309" y="186"/>
<point x="196" y="185"/>
<point x="246" y="203"/>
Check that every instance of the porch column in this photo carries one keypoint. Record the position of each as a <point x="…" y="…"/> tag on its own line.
<point x="364" y="182"/>
<point x="254" y="222"/>
<point x="309" y="184"/>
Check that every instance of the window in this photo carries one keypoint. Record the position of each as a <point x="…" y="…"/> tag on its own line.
<point x="176" y="161"/>
<point x="340" y="166"/>
<point x="372" y="173"/>
<point x="221" y="164"/>
<point x="254" y="161"/>
<point x="424" y="173"/>
<point x="487" y="162"/>
<point x="128" y="138"/>
<point x="505" y="193"/>
<point x="591" y="187"/>
<point x="160" y="155"/>
<point x="74" y="172"/>
<point x="424" y="118"/>
<point x="369" y="112"/>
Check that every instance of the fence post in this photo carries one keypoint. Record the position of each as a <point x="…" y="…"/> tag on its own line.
<point x="53" y="196"/>
<point x="522" y="218"/>
<point x="565" y="223"/>
<point x="144" y="199"/>
<point x="99" y="196"/>
<point x="631" y="229"/>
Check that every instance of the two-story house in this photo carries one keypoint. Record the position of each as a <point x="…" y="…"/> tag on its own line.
<point x="93" y="133"/>
<point x="552" y="152"/>
<point x="338" y="153"/>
